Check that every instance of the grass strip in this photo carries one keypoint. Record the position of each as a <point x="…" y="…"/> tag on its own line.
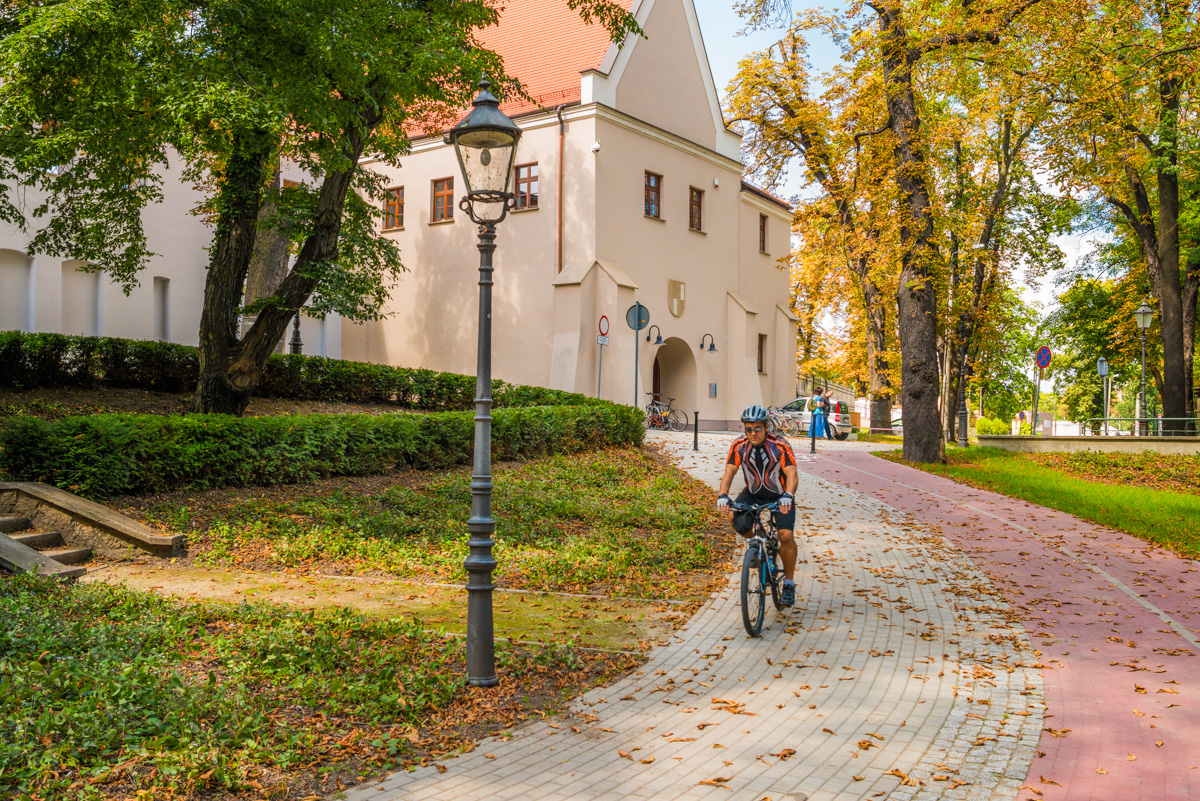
<point x="1165" y="517"/>
<point x="110" y="693"/>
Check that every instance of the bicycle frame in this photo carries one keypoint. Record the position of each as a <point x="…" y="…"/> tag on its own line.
<point x="761" y="567"/>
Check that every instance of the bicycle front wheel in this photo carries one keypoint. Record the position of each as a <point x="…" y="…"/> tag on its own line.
<point x="753" y="591"/>
<point x="677" y="421"/>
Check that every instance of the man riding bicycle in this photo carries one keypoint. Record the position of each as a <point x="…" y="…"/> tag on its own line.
<point x="769" y="467"/>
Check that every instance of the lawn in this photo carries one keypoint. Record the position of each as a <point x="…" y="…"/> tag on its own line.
<point x="1153" y="497"/>
<point x="109" y="693"/>
<point x="616" y="522"/>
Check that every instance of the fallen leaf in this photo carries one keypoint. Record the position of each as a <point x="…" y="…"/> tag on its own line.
<point x="829" y="731"/>
<point x="623" y="754"/>
<point x="1101" y="770"/>
<point x="858" y="778"/>
<point x="1048" y="781"/>
<point x="1131" y="758"/>
<point x="1158" y="743"/>
<point x="646" y="760"/>
<point x="717" y="781"/>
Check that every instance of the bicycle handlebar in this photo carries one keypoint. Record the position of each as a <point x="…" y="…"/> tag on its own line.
<point x="750" y="507"/>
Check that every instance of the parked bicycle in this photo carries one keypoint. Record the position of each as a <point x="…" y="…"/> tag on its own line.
<point x="782" y="424"/>
<point x="762" y="566"/>
<point x="661" y="416"/>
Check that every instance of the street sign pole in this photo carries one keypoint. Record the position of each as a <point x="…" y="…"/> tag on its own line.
<point x="637" y="317"/>
<point x="601" y="340"/>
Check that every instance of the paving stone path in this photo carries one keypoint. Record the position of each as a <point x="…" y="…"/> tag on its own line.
<point x="901" y="673"/>
<point x="1116" y="623"/>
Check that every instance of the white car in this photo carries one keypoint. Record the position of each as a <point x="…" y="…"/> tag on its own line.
<point x="838" y="419"/>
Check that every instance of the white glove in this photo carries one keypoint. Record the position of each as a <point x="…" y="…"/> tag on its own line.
<point x="723" y="502"/>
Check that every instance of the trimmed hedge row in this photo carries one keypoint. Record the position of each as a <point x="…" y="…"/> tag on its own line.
<point x="58" y="360"/>
<point x="99" y="456"/>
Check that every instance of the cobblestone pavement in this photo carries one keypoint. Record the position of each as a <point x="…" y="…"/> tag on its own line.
<point x="899" y="674"/>
<point x="1115" y="621"/>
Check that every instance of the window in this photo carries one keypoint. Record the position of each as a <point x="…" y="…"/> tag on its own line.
<point x="653" y="195"/>
<point x="762" y="352"/>
<point x="695" y="208"/>
<point x="527" y="186"/>
<point x="762" y="233"/>
<point x="393" y="209"/>
<point x="443" y="200"/>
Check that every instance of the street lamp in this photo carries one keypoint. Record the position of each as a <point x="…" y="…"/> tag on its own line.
<point x="485" y="142"/>
<point x="963" y="414"/>
<point x="297" y="347"/>
<point x="658" y="341"/>
<point x="1144" y="317"/>
<point x="712" y="343"/>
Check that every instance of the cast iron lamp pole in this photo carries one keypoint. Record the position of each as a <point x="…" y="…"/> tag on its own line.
<point x="1144" y="317"/>
<point x="963" y="414"/>
<point x="485" y="142"/>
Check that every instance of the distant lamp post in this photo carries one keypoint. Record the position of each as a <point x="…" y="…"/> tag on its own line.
<point x="297" y="347"/>
<point x="963" y="414"/>
<point x="485" y="142"/>
<point x="1144" y="317"/>
<point x="658" y="341"/>
<point x="712" y="343"/>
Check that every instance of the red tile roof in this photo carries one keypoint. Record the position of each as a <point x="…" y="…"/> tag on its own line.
<point x="545" y="45"/>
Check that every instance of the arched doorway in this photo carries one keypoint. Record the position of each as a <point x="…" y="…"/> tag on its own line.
<point x="674" y="374"/>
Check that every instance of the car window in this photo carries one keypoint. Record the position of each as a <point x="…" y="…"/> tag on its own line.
<point x="794" y="406"/>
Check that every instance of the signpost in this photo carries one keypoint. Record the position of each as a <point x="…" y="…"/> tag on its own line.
<point x="601" y="340"/>
<point x="637" y="318"/>
<point x="1043" y="361"/>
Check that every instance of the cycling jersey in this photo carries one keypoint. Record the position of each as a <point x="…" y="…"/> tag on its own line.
<point x="763" y="465"/>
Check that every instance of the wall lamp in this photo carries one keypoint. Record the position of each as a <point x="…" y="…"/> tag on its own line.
<point x="658" y="341"/>
<point x="712" y="343"/>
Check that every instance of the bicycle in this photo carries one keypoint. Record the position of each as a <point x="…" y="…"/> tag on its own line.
<point x="662" y="417"/>
<point x="762" y="566"/>
<point x="782" y="424"/>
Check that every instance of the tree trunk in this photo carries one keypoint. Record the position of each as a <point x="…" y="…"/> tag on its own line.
<point x="915" y="295"/>
<point x="1191" y="283"/>
<point x="238" y="200"/>
<point x="880" y="387"/>
<point x="269" y="263"/>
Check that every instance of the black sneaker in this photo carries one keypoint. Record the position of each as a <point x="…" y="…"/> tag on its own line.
<point x="788" y="597"/>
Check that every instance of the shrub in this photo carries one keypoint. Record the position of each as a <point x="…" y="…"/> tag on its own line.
<point x="986" y="426"/>
<point x="98" y="456"/>
<point x="58" y="360"/>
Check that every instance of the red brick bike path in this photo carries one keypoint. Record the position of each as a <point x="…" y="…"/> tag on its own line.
<point x="1117" y="623"/>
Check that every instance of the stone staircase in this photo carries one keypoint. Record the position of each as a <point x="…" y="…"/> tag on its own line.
<point x="24" y="550"/>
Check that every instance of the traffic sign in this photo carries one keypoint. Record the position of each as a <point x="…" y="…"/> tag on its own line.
<point x="1043" y="357"/>
<point x="604" y="325"/>
<point x="602" y="340"/>
<point x="637" y="317"/>
<point x="1102" y="366"/>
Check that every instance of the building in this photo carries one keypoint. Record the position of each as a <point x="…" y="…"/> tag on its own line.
<point x="629" y="190"/>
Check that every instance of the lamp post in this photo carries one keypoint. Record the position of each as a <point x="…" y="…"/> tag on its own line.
<point x="485" y="142"/>
<point x="658" y="341"/>
<point x="297" y="347"/>
<point x="963" y="414"/>
<point x="1144" y="317"/>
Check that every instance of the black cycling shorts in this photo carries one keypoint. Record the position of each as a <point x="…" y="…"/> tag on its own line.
<point x="786" y="522"/>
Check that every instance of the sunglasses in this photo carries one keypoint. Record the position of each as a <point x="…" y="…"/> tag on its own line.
<point x="755" y="429"/>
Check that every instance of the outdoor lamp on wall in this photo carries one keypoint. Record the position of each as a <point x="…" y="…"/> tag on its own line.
<point x="486" y="145"/>
<point x="1144" y="316"/>
<point x="712" y="343"/>
<point x="658" y="341"/>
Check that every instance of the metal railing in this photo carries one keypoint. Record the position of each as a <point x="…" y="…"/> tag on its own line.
<point x="1137" y="426"/>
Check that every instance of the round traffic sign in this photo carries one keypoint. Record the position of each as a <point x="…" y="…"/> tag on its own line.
<point x="637" y="317"/>
<point x="1043" y="357"/>
<point x="603" y="325"/>
<point x="1102" y="366"/>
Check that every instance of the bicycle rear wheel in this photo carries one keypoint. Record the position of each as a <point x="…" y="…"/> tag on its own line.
<point x="677" y="421"/>
<point x="753" y="591"/>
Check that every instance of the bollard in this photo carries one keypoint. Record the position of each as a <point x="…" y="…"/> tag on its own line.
<point x="696" y="433"/>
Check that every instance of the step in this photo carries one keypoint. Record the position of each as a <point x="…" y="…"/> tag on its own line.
<point x="18" y="558"/>
<point x="68" y="556"/>
<point x="39" y="539"/>
<point x="10" y="523"/>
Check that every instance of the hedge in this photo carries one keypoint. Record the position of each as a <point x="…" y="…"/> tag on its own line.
<point x="99" y="456"/>
<point x="986" y="426"/>
<point x="58" y="360"/>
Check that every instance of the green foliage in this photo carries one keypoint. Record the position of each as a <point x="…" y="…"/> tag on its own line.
<point x="989" y="427"/>
<point x="58" y="360"/>
<point x="103" y="455"/>
<point x="94" y="676"/>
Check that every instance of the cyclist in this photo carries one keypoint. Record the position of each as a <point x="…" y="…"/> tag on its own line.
<point x="769" y="466"/>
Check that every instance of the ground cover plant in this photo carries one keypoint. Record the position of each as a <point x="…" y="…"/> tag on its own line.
<point x="1151" y="496"/>
<point x="617" y="521"/>
<point x="110" y="693"/>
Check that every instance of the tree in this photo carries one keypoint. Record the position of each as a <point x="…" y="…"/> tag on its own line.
<point x="1126" y="85"/>
<point x="97" y="97"/>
